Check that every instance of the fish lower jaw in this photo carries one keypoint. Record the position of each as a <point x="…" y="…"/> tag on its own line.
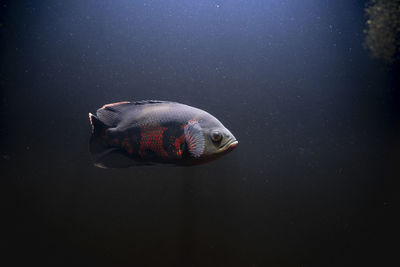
<point x="233" y="145"/>
<point x="228" y="147"/>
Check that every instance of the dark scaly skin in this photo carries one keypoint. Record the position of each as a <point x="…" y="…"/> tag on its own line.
<point x="146" y="137"/>
<point x="155" y="143"/>
<point x="174" y="141"/>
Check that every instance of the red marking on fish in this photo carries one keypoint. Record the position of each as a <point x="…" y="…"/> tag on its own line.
<point x="152" y="139"/>
<point x="125" y="144"/>
<point x="178" y="143"/>
<point x="115" y="104"/>
<point x="115" y="141"/>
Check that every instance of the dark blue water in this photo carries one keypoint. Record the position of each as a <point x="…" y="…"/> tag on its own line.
<point x="317" y="119"/>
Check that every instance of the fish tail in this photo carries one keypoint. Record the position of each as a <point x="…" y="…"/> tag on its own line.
<point x="104" y="155"/>
<point x="97" y="126"/>
<point x="98" y="142"/>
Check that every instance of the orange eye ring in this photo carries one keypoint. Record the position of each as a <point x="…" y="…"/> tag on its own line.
<point x="216" y="136"/>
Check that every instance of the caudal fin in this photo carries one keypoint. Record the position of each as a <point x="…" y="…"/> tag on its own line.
<point x="97" y="125"/>
<point x="104" y="155"/>
<point x="98" y="142"/>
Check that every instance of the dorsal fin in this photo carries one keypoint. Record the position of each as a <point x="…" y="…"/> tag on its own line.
<point x="110" y="114"/>
<point x="143" y="102"/>
<point x="115" y="104"/>
<point x="139" y="102"/>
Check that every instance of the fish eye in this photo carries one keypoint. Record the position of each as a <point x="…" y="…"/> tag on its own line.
<point x="216" y="136"/>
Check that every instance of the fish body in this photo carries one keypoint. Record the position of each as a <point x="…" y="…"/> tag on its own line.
<point x="148" y="132"/>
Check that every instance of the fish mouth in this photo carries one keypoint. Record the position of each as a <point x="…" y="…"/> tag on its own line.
<point x="233" y="144"/>
<point x="229" y="146"/>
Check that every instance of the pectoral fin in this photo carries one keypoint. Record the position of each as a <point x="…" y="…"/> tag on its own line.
<point x="194" y="138"/>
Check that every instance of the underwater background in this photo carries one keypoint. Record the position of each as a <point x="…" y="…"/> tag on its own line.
<point x="311" y="183"/>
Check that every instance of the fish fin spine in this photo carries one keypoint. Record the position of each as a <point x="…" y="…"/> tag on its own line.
<point x="98" y="127"/>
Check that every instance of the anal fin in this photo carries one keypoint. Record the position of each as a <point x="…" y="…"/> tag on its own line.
<point x="112" y="158"/>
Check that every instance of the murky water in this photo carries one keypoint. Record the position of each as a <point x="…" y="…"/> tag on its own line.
<point x="317" y="119"/>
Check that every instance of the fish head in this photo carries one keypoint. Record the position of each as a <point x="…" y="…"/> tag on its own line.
<point x="218" y="140"/>
<point x="207" y="139"/>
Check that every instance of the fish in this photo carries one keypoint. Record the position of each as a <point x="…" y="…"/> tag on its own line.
<point x="150" y="132"/>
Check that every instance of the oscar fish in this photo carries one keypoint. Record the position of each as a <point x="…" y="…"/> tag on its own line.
<point x="149" y="132"/>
